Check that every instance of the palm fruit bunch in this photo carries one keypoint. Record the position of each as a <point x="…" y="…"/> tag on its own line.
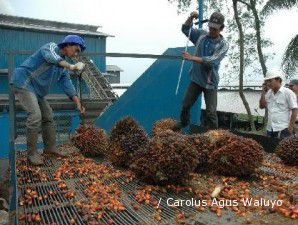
<point x="203" y="147"/>
<point x="239" y="157"/>
<point x="126" y="138"/>
<point x="90" y="140"/>
<point x="287" y="150"/>
<point x="218" y="138"/>
<point x="168" y="160"/>
<point x="206" y="143"/>
<point x="163" y="125"/>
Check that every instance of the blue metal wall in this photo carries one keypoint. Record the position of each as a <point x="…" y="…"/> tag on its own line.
<point x="20" y="39"/>
<point x="4" y="135"/>
<point x="152" y="96"/>
<point x="3" y="84"/>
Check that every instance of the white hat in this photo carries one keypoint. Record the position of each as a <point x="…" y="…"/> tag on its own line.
<point x="274" y="73"/>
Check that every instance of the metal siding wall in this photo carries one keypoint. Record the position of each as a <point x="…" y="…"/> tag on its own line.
<point x="13" y="40"/>
<point x="97" y="45"/>
<point x="3" y="84"/>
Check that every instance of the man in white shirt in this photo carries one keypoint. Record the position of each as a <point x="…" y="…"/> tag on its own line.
<point x="281" y="103"/>
<point x="293" y="85"/>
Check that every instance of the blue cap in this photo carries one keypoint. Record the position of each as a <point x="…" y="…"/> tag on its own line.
<point x="73" y="40"/>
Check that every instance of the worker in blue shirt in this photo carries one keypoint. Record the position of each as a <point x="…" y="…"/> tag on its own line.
<point x="31" y="83"/>
<point x="210" y="49"/>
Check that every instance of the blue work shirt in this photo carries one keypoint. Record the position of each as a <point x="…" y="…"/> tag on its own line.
<point x="212" y="51"/>
<point x="41" y="70"/>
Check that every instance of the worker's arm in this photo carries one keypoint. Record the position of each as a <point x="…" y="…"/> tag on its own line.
<point x="67" y="86"/>
<point x="263" y="102"/>
<point x="66" y="65"/>
<point x="48" y="52"/>
<point x="293" y="120"/>
<point x="77" y="101"/>
<point x="209" y="61"/>
<point x="193" y="58"/>
<point x="194" y="33"/>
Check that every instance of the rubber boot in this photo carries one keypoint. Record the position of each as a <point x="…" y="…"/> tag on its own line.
<point x="184" y="120"/>
<point x="34" y="157"/>
<point x="49" y="141"/>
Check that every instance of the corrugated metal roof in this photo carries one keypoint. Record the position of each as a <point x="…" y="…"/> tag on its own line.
<point x="49" y="26"/>
<point x="113" y="68"/>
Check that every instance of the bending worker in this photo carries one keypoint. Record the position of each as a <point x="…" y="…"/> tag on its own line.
<point x="31" y="83"/>
<point x="210" y="49"/>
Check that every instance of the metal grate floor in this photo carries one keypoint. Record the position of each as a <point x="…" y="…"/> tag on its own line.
<point x="51" y="207"/>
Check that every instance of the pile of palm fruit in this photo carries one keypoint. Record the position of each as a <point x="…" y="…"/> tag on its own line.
<point x="168" y="157"/>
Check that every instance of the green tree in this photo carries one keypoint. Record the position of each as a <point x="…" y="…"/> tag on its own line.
<point x="290" y="57"/>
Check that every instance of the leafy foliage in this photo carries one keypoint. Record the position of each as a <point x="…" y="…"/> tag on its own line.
<point x="182" y="5"/>
<point x="290" y="58"/>
<point x="273" y="5"/>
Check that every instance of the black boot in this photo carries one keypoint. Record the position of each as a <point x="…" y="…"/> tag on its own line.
<point x="184" y="120"/>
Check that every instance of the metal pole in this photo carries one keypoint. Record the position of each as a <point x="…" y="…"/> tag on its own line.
<point x="183" y="61"/>
<point x="82" y="117"/>
<point x="200" y="11"/>
<point x="12" y="152"/>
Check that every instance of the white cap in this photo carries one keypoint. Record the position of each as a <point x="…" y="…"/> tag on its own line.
<point x="274" y="73"/>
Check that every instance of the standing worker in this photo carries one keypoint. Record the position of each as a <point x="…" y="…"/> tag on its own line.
<point x="210" y="49"/>
<point x="281" y="103"/>
<point x="31" y="83"/>
<point x="293" y="85"/>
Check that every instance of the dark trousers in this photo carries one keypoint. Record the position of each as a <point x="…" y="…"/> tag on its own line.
<point x="278" y="134"/>
<point x="192" y="93"/>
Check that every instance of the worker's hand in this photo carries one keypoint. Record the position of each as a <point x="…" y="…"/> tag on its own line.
<point x="78" y="66"/>
<point x="186" y="56"/>
<point x="82" y="110"/>
<point x="194" y="15"/>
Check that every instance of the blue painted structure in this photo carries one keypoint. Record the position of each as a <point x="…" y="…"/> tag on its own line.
<point x="4" y="137"/>
<point x="152" y="96"/>
<point x="200" y="11"/>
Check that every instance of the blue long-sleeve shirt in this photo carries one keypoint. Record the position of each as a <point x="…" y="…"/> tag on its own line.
<point x="212" y="51"/>
<point x="41" y="70"/>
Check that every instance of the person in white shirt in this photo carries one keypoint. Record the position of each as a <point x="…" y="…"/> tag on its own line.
<point x="293" y="85"/>
<point x="281" y="103"/>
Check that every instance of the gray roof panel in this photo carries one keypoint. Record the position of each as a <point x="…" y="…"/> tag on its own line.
<point x="49" y="26"/>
